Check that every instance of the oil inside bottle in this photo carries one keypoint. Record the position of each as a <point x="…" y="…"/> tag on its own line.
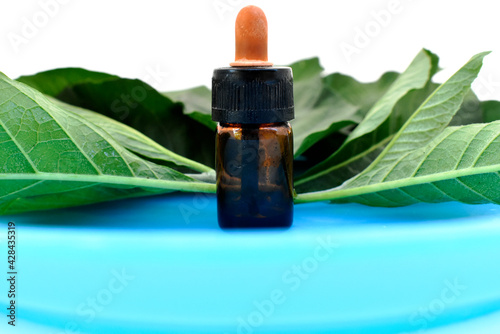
<point x="254" y="175"/>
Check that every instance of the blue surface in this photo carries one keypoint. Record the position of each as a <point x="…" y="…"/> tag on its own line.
<point x="339" y="269"/>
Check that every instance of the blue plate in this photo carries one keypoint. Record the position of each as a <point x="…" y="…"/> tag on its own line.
<point x="162" y="265"/>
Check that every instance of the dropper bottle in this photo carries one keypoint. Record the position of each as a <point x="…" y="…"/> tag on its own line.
<point x="252" y="101"/>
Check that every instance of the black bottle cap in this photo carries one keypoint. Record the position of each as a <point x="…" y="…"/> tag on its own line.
<point x="252" y="95"/>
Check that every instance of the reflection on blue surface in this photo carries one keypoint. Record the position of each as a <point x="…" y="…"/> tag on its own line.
<point x="162" y="265"/>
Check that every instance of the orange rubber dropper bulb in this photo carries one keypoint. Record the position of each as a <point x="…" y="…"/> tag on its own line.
<point x="251" y="38"/>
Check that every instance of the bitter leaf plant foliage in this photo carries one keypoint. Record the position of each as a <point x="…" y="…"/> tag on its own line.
<point x="72" y="137"/>
<point x="52" y="156"/>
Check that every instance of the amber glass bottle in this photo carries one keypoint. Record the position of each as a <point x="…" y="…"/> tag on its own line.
<point x="254" y="146"/>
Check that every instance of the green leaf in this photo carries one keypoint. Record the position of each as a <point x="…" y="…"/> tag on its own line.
<point x="318" y="111"/>
<point x="377" y="128"/>
<point x="314" y="114"/>
<point x="307" y="82"/>
<point x="337" y="90"/>
<point x="423" y="163"/>
<point x="52" y="158"/>
<point x="326" y="105"/>
<point x="197" y="103"/>
<point x="330" y="114"/>
<point x="362" y="95"/>
<point x="135" y="104"/>
<point x="55" y="82"/>
<point x="133" y="140"/>
<point x="491" y="110"/>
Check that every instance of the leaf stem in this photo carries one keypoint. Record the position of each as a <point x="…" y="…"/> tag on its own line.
<point x="118" y="180"/>
<point x="337" y="193"/>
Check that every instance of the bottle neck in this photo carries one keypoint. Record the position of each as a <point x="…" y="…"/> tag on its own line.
<point x="243" y="125"/>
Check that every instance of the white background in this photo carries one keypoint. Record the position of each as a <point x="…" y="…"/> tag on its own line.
<point x="176" y="44"/>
